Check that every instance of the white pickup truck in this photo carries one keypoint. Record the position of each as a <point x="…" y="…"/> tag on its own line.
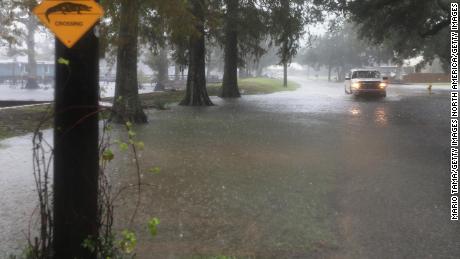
<point x="366" y="81"/>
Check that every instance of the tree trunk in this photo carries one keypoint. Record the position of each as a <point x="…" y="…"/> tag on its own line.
<point x="76" y="159"/>
<point x="230" y="81"/>
<point x="242" y="72"/>
<point x="341" y="76"/>
<point x="196" y="93"/>
<point x="127" y="104"/>
<point x="259" y="70"/>
<point x="31" y="25"/>
<point x="163" y="67"/>
<point x="285" y="76"/>
<point x="208" y="64"/>
<point x="329" y="73"/>
<point x="177" y="70"/>
<point x="14" y="73"/>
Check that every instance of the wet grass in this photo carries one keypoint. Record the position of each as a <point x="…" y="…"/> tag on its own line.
<point x="19" y="121"/>
<point x="266" y="85"/>
<point x="160" y="100"/>
<point x="251" y="86"/>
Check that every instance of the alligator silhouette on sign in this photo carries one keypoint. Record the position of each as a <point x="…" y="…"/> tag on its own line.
<point x="67" y="7"/>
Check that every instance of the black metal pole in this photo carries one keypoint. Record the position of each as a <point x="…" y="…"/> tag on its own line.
<point x="76" y="158"/>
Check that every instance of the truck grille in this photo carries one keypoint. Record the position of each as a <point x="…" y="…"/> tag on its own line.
<point x="370" y="85"/>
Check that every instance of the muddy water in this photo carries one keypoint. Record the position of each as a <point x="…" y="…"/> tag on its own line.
<point x="256" y="176"/>
<point x="247" y="177"/>
<point x="17" y="192"/>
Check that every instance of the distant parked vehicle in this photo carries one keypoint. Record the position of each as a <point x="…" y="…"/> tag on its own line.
<point x="366" y="82"/>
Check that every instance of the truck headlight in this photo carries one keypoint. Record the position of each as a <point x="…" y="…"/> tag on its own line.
<point x="356" y="85"/>
<point x="383" y="85"/>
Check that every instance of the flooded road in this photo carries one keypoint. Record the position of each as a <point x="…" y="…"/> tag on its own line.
<point x="307" y="174"/>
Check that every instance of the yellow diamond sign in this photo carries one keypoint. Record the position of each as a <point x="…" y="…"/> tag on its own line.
<point x="69" y="20"/>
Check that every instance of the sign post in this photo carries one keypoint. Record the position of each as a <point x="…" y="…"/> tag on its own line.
<point x="76" y="128"/>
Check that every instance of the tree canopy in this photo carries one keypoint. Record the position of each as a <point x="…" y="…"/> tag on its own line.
<point x="341" y="50"/>
<point x="411" y="28"/>
<point x="7" y="33"/>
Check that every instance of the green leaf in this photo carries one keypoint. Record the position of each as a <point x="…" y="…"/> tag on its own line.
<point x="89" y="244"/>
<point x="63" y="61"/>
<point x="140" y="145"/>
<point x="128" y="241"/>
<point x="108" y="155"/>
<point x="154" y="170"/>
<point x="122" y="145"/>
<point x="153" y="226"/>
<point x="131" y="134"/>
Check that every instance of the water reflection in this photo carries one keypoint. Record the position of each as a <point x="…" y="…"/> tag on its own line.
<point x="381" y="117"/>
<point x="355" y="111"/>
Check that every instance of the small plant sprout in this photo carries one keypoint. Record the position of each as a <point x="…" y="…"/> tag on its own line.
<point x="122" y="145"/>
<point x="153" y="226"/>
<point x="154" y="170"/>
<point x="128" y="241"/>
<point x="89" y="244"/>
<point x="108" y="155"/>
<point x="140" y="145"/>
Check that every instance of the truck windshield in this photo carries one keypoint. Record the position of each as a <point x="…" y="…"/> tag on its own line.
<point x="366" y="74"/>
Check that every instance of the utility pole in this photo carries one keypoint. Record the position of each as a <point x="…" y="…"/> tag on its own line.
<point x="76" y="155"/>
<point x="76" y="124"/>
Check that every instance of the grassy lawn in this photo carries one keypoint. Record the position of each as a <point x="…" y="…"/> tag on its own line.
<point x="251" y="86"/>
<point x="14" y="122"/>
<point x="19" y="121"/>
